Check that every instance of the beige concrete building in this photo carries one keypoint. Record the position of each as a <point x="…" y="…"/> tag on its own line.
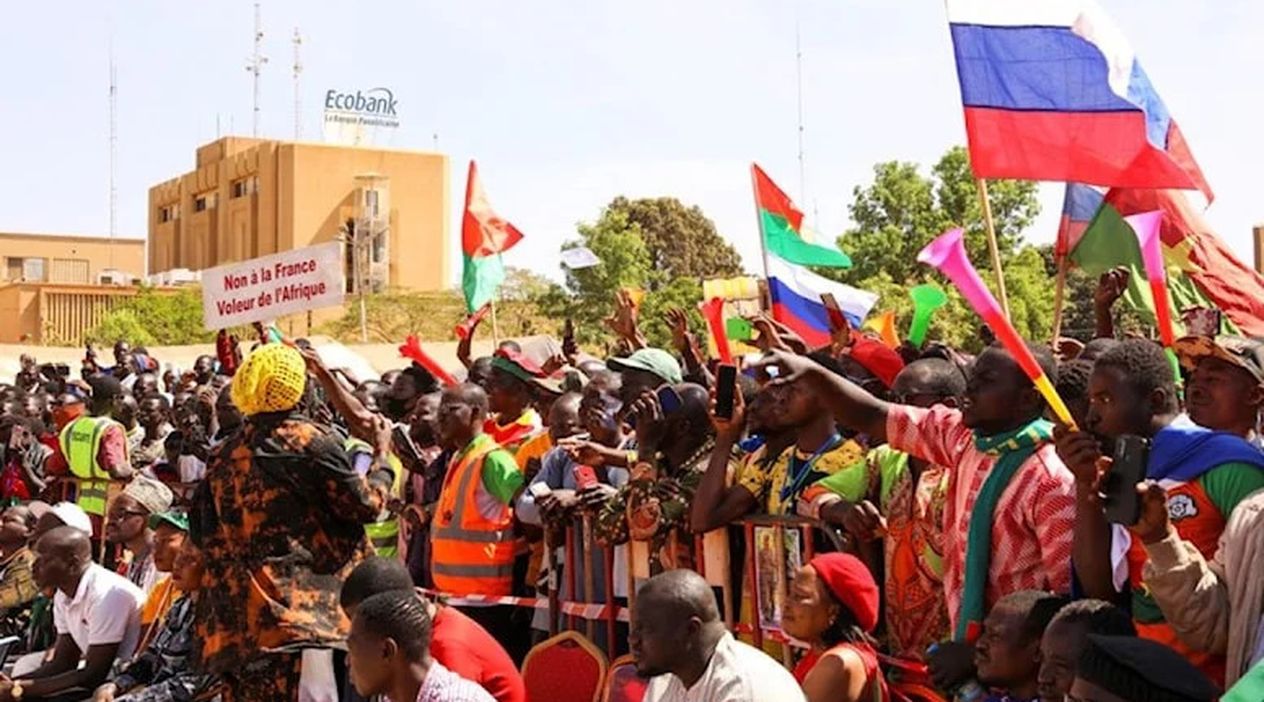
<point x="53" y="288"/>
<point x="78" y="260"/>
<point x="254" y="197"/>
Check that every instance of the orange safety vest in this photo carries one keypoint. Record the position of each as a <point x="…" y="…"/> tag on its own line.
<point x="471" y="554"/>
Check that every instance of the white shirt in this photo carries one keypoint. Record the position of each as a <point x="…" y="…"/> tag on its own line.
<point x="736" y="673"/>
<point x="104" y="610"/>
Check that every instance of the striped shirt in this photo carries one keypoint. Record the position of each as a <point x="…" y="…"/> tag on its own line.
<point x="1032" y="524"/>
<point x="443" y="685"/>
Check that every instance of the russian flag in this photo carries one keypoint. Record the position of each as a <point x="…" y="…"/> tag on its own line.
<point x="1053" y="91"/>
<point x="1079" y="207"/>
<point x="796" y="301"/>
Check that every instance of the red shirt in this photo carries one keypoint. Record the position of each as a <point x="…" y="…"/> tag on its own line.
<point x="465" y="648"/>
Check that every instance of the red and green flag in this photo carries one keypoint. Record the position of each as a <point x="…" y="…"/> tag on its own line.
<point x="484" y="237"/>
<point x="1201" y="270"/>
<point x="781" y="226"/>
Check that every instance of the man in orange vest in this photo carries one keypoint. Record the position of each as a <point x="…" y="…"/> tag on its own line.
<point x="472" y="539"/>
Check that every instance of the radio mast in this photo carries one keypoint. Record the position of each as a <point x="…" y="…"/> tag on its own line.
<point x="298" y="95"/>
<point x="113" y="153"/>
<point x="255" y="66"/>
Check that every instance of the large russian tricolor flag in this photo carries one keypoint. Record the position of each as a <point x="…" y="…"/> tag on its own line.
<point x="796" y="300"/>
<point x="1053" y="91"/>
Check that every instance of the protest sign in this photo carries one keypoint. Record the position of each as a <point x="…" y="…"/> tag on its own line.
<point x="272" y="286"/>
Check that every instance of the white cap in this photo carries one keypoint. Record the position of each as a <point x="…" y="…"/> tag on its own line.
<point x="72" y="515"/>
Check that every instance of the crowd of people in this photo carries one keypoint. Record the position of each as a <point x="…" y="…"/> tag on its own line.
<point x="265" y="527"/>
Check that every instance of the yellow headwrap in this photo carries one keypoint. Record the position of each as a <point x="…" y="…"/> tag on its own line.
<point x="270" y="380"/>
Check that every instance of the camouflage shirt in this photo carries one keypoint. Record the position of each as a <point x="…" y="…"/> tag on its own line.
<point x="654" y="504"/>
<point x="279" y="518"/>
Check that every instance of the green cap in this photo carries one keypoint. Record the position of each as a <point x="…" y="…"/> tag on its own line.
<point x="175" y="518"/>
<point x="656" y="361"/>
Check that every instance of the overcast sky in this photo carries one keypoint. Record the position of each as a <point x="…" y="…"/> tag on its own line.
<point x="567" y="104"/>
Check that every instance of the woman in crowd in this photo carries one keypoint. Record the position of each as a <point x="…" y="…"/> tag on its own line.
<point x="832" y="604"/>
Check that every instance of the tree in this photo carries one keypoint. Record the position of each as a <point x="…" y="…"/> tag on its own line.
<point x="688" y="250"/>
<point x="901" y="211"/>
<point x="682" y="242"/>
<point x="155" y="318"/>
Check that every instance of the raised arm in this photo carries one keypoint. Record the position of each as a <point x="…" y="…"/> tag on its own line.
<point x="851" y="405"/>
<point x="714" y="502"/>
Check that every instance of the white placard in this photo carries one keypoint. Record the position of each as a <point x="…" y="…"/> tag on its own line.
<point x="273" y="286"/>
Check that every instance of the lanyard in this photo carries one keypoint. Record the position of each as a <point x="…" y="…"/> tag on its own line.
<point x="799" y="475"/>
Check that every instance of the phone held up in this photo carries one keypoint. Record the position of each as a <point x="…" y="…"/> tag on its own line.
<point x="725" y="391"/>
<point x="1120" y="497"/>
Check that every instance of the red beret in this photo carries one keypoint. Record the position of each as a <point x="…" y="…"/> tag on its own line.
<point x="877" y="358"/>
<point x="850" y="581"/>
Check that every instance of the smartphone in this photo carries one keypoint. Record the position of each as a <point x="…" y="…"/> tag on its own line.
<point x="836" y="317"/>
<point x="540" y="490"/>
<point x="669" y="399"/>
<point x="404" y="446"/>
<point x="1122" y="503"/>
<point x="585" y="478"/>
<point x="725" y="389"/>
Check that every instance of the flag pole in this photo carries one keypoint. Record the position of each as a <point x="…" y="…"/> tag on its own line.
<point x="1059" y="290"/>
<point x="495" y="325"/>
<point x="759" y="223"/>
<point x="765" y="296"/>
<point x="992" y="246"/>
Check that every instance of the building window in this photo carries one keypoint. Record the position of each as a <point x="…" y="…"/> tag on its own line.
<point x="28" y="269"/>
<point x="199" y="204"/>
<point x="164" y="214"/>
<point x="70" y="270"/>
<point x="239" y="188"/>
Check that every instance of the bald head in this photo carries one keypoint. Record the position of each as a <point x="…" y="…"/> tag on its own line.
<point x="680" y="594"/>
<point x="66" y="542"/>
<point x="675" y="625"/>
<point x="62" y="556"/>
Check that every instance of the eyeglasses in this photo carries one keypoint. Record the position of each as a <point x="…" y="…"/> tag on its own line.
<point x="124" y="514"/>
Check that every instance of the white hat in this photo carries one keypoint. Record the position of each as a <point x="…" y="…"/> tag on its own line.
<point x="70" y="514"/>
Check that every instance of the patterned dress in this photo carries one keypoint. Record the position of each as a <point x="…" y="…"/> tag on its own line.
<point x="162" y="669"/>
<point x="280" y="519"/>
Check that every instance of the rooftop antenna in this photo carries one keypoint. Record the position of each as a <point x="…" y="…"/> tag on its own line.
<point x="255" y="65"/>
<point x="298" y="95"/>
<point x="113" y="152"/>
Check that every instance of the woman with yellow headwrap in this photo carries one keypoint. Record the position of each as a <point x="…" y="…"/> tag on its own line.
<point x="280" y="518"/>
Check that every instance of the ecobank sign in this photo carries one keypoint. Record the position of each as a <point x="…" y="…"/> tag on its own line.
<point x="346" y="114"/>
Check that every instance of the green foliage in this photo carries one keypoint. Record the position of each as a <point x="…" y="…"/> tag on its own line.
<point x="155" y="318"/>
<point x="901" y="211"/>
<point x="655" y="245"/>
<point x="681" y="241"/>
<point x="393" y="315"/>
<point x="119" y="324"/>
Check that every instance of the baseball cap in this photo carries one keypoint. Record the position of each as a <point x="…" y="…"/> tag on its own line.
<point x="1244" y="353"/>
<point x="175" y="518"/>
<point x="69" y="513"/>
<point x="656" y="361"/>
<point x="518" y="365"/>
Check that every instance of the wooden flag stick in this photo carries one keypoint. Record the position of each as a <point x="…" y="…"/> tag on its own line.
<point x="992" y="246"/>
<point x="1059" y="290"/>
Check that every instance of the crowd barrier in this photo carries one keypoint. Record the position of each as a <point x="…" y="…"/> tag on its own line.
<point x="770" y="557"/>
